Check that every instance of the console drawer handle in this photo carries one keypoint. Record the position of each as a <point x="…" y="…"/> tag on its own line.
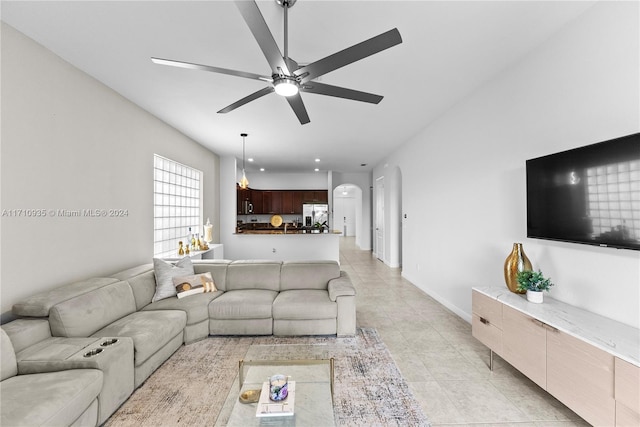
<point x="539" y="323"/>
<point x="484" y="321"/>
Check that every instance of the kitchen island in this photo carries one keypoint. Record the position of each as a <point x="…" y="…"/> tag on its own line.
<point x="276" y="245"/>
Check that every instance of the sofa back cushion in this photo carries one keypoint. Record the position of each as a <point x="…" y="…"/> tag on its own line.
<point x="27" y="332"/>
<point x="8" y="364"/>
<point x="85" y="314"/>
<point x="217" y="268"/>
<point x="142" y="281"/>
<point x="39" y="304"/>
<point x="308" y="274"/>
<point x="253" y="274"/>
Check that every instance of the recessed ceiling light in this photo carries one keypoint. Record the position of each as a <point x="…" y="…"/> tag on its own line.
<point x="249" y="159"/>
<point x="317" y="160"/>
<point x="316" y="169"/>
<point x="261" y="169"/>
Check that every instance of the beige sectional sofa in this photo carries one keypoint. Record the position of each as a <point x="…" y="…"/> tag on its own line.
<point x="105" y="336"/>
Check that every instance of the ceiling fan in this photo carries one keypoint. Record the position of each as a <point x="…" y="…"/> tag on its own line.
<point x="287" y="77"/>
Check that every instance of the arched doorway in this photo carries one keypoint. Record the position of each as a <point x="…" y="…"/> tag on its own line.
<point x="347" y="210"/>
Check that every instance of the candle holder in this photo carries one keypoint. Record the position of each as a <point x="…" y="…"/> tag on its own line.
<point x="278" y="387"/>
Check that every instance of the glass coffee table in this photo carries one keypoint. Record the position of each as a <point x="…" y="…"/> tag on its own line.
<point x="311" y="374"/>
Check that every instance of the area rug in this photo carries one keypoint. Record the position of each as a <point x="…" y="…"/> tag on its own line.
<point x="192" y="386"/>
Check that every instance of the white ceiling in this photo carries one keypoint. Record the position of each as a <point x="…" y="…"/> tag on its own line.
<point x="449" y="49"/>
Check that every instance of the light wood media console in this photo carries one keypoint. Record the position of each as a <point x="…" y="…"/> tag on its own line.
<point x="587" y="361"/>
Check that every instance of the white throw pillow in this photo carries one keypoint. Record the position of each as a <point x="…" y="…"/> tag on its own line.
<point x="165" y="272"/>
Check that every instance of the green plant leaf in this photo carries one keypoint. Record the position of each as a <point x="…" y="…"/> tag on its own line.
<point x="533" y="281"/>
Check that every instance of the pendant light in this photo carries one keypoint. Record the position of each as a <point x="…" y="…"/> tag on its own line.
<point x="244" y="182"/>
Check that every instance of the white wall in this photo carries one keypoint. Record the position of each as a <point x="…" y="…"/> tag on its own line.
<point x="69" y="142"/>
<point x="286" y="181"/>
<point x="463" y="177"/>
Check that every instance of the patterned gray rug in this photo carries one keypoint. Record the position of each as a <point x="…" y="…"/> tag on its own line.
<point x="192" y="386"/>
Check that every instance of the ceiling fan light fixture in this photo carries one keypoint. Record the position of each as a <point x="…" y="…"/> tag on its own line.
<point x="286" y="86"/>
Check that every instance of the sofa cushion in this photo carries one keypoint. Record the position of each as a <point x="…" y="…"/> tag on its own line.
<point x="142" y="281"/>
<point x="8" y="364"/>
<point x="195" y="306"/>
<point x="52" y="399"/>
<point x="165" y="272"/>
<point x="304" y="304"/>
<point x="150" y="330"/>
<point x="39" y="304"/>
<point x="308" y="274"/>
<point x="127" y="274"/>
<point x="83" y="315"/>
<point x="217" y="268"/>
<point x="253" y="274"/>
<point x="193" y="285"/>
<point x="243" y="304"/>
<point x="27" y="332"/>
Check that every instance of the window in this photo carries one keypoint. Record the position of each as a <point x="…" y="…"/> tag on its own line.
<point x="177" y="205"/>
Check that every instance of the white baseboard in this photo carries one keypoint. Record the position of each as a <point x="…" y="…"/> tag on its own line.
<point x="457" y="310"/>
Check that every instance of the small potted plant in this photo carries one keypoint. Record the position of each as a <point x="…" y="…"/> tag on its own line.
<point x="533" y="282"/>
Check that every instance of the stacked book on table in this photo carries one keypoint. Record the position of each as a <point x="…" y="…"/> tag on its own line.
<point x="268" y="408"/>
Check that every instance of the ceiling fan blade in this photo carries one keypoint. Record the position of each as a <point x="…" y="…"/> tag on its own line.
<point x="262" y="92"/>
<point x="298" y="107"/>
<point x="340" y="92"/>
<point x="349" y="55"/>
<point x="192" y="66"/>
<point x="254" y="19"/>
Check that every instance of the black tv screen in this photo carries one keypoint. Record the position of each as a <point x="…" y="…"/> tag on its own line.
<point x="587" y="195"/>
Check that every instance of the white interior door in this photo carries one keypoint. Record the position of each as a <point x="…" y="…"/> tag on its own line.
<point x="380" y="218"/>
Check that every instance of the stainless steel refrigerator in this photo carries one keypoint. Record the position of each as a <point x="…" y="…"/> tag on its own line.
<point x="315" y="213"/>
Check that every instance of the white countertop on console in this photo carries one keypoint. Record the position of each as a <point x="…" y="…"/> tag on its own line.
<point x="618" y="339"/>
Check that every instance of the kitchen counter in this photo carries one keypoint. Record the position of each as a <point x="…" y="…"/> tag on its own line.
<point x="289" y="231"/>
<point x="275" y="245"/>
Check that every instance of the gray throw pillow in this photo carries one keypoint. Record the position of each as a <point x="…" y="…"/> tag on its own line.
<point x="165" y="272"/>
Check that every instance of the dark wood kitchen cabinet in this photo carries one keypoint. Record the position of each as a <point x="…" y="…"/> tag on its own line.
<point x="287" y="202"/>
<point x="272" y="202"/>
<point x="242" y="196"/>
<point x="297" y="202"/>
<point x="278" y="201"/>
<point x="318" y="196"/>
<point x="257" y="200"/>
<point x="266" y="201"/>
<point x="321" y="196"/>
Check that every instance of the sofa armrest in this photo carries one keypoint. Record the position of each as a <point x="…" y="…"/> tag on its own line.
<point x="340" y="286"/>
<point x="111" y="355"/>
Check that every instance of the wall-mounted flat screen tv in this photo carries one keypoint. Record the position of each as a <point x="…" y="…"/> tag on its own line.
<point x="587" y="195"/>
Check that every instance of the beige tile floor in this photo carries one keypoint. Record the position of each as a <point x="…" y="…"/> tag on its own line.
<point x="446" y="368"/>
